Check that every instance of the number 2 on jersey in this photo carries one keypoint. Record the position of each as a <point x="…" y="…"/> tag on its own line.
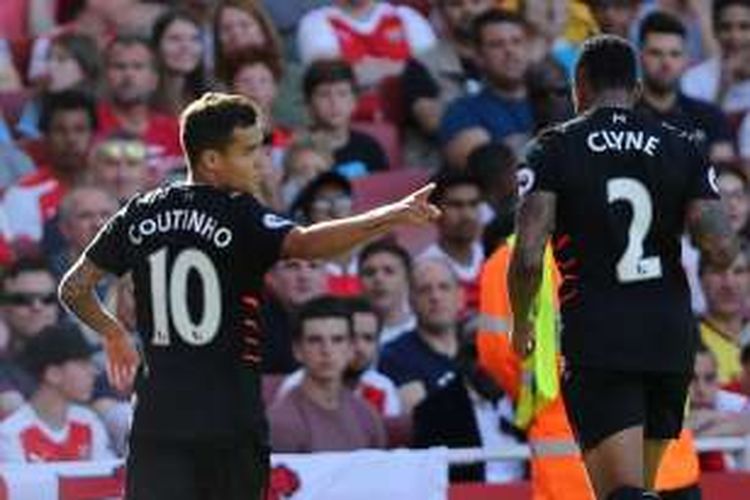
<point x="169" y="293"/>
<point x="633" y="266"/>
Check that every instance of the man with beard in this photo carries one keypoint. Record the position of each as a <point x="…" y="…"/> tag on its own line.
<point x="459" y="196"/>
<point x="132" y="79"/>
<point x="663" y="55"/>
<point x="501" y="111"/>
<point x="438" y="76"/>
<point x="68" y="121"/>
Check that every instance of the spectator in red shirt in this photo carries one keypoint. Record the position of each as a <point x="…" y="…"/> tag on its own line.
<point x="53" y="426"/>
<point x="132" y="79"/>
<point x="68" y="121"/>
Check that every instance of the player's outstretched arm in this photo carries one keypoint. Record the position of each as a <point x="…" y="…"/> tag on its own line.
<point x="534" y="224"/>
<point x="330" y="238"/>
<point x="77" y="292"/>
<point x="711" y="232"/>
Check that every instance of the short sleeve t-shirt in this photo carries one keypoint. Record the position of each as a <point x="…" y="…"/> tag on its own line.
<point x="622" y="183"/>
<point x="197" y="255"/>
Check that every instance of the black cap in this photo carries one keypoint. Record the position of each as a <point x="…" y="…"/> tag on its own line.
<point x="302" y="202"/>
<point x="55" y="345"/>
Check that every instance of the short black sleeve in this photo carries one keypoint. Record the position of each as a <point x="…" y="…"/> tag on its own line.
<point x="540" y="166"/>
<point x="265" y="230"/>
<point x="703" y="178"/>
<point x="108" y="249"/>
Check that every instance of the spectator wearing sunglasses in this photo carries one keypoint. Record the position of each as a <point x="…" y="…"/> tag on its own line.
<point x="28" y="304"/>
<point x="29" y="301"/>
<point x="119" y="164"/>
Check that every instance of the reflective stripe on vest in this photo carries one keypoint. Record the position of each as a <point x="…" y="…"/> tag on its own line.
<point x="493" y="324"/>
<point x="554" y="448"/>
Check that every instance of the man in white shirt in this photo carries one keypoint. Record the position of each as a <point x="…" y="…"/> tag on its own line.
<point x="459" y="196"/>
<point x="384" y="269"/>
<point x="53" y="426"/>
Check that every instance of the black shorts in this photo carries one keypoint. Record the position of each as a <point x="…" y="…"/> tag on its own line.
<point x="602" y="402"/>
<point x="161" y="469"/>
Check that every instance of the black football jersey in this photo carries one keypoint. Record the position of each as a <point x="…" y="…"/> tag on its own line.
<point x="622" y="184"/>
<point x="197" y="256"/>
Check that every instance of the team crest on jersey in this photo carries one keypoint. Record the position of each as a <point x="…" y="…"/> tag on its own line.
<point x="525" y="178"/>
<point x="713" y="179"/>
<point x="273" y="221"/>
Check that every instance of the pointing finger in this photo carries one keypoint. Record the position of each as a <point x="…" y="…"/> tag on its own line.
<point x="424" y="192"/>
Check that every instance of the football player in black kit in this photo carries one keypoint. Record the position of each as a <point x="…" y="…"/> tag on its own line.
<point x="615" y="191"/>
<point x="197" y="253"/>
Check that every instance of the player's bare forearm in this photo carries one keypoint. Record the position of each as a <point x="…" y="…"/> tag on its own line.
<point x="331" y="238"/>
<point x="534" y="223"/>
<point x="77" y="292"/>
<point x="712" y="233"/>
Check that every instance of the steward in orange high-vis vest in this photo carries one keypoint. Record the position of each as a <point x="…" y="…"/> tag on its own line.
<point x="557" y="470"/>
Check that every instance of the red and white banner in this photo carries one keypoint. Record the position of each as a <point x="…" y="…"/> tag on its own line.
<point x="395" y="474"/>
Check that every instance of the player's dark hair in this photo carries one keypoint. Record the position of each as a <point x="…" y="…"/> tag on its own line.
<point x="660" y="23"/>
<point x="326" y="306"/>
<point x="209" y="122"/>
<point x="493" y="16"/>
<point x="448" y="178"/>
<point x="719" y="6"/>
<point x="327" y="71"/>
<point x="389" y="246"/>
<point x="67" y="100"/>
<point x="607" y="62"/>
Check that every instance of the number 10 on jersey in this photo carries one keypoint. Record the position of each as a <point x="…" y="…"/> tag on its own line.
<point x="169" y="297"/>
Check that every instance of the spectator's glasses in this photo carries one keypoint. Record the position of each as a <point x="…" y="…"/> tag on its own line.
<point x="340" y="203"/>
<point x="29" y="299"/>
<point x="129" y="150"/>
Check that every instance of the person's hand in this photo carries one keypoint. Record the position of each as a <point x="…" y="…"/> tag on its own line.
<point x="523" y="337"/>
<point x="416" y="208"/>
<point x="122" y="360"/>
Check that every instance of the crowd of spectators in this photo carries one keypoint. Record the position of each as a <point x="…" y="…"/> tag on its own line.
<point x="376" y="347"/>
